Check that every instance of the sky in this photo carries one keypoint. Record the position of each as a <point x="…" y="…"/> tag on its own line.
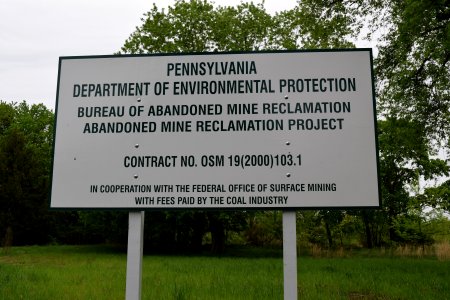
<point x="35" y="33"/>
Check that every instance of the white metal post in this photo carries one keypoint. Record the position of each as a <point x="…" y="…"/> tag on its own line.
<point x="134" y="255"/>
<point x="290" y="255"/>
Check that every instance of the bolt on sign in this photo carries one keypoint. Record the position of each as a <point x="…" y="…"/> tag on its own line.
<point x="265" y="130"/>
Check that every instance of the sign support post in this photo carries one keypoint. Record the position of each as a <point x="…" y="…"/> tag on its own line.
<point x="290" y="254"/>
<point x="134" y="255"/>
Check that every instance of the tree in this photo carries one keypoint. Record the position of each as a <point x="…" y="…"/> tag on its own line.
<point x="26" y="134"/>
<point x="310" y="25"/>
<point x="437" y="196"/>
<point x="331" y="219"/>
<point x="412" y="76"/>
<point x="412" y="67"/>
<point x="264" y="228"/>
<point x="197" y="26"/>
<point x="404" y="158"/>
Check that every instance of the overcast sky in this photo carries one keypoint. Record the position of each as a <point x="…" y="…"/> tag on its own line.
<point x="35" y="33"/>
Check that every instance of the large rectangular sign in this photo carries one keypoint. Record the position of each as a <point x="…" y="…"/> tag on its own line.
<point x="251" y="130"/>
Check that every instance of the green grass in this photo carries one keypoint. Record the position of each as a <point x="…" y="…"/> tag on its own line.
<point x="94" y="272"/>
<point x="373" y="278"/>
<point x="62" y="272"/>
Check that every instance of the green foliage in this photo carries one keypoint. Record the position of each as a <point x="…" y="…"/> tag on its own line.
<point x="439" y="226"/>
<point x="186" y="27"/>
<point x="409" y="228"/>
<point x="264" y="229"/>
<point x="319" y="27"/>
<point x="198" y="26"/>
<point x="246" y="27"/>
<point x="413" y="65"/>
<point x="413" y="79"/>
<point x="174" y="231"/>
<point x="438" y="196"/>
<point x="25" y="161"/>
<point x="404" y="158"/>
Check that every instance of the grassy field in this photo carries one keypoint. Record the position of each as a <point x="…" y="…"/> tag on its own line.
<point x="98" y="272"/>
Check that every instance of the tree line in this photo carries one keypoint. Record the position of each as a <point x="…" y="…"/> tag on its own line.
<point x="413" y="101"/>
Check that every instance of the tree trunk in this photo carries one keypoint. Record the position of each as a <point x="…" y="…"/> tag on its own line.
<point x="369" y="240"/>
<point x="329" y="236"/>
<point x="217" y="230"/>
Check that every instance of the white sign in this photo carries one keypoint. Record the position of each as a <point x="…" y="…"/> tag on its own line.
<point x="251" y="130"/>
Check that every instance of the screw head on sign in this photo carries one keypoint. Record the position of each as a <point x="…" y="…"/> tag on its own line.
<point x="286" y="97"/>
<point x="136" y="146"/>
<point x="288" y="143"/>
<point x="136" y="176"/>
<point x="288" y="175"/>
<point x="138" y="99"/>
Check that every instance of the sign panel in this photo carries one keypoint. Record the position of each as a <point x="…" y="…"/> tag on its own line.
<point x="251" y="130"/>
